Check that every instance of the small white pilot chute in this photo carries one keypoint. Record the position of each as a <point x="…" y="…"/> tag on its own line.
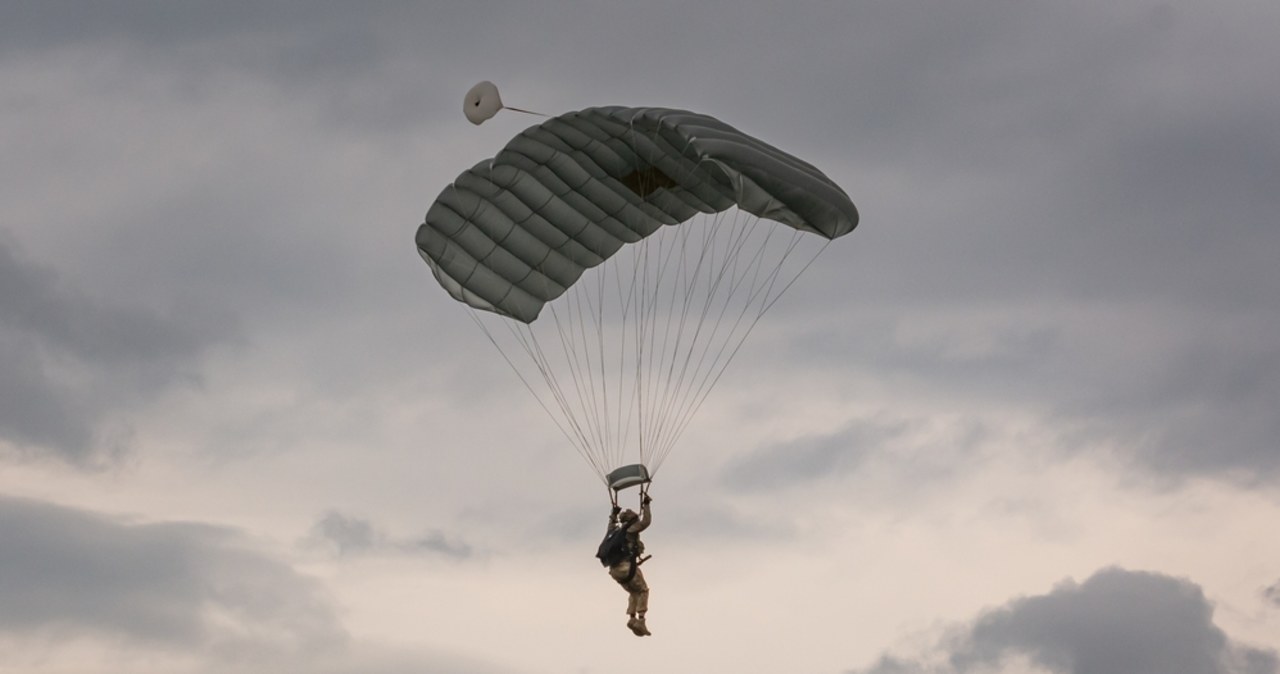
<point x="483" y="102"/>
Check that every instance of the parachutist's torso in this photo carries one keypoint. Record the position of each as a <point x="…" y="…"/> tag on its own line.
<point x="634" y="526"/>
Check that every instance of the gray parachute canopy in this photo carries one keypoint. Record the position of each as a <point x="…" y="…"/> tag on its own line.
<point x="515" y="232"/>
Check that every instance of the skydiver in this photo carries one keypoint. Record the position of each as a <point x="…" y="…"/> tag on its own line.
<point x="626" y="570"/>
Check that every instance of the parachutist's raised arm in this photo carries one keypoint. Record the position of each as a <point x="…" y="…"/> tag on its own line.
<point x="613" y="519"/>
<point x="646" y="516"/>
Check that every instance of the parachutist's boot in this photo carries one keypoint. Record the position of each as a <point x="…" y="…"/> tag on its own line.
<point x="641" y="629"/>
<point x="634" y="624"/>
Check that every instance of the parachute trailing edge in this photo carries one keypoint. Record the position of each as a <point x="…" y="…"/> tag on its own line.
<point x="515" y="232"/>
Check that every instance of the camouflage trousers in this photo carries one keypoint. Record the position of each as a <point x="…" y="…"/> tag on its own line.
<point x="638" y="601"/>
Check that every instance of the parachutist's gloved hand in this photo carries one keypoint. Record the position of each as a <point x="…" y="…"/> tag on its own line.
<point x="615" y="511"/>
<point x="646" y="500"/>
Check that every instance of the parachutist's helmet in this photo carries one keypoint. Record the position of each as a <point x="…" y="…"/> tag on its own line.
<point x="628" y="515"/>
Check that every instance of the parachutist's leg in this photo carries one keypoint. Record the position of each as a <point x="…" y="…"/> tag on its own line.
<point x="637" y="595"/>
<point x="639" y="602"/>
<point x="639" y="592"/>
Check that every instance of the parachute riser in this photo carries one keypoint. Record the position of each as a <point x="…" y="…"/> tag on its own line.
<point x="614" y="493"/>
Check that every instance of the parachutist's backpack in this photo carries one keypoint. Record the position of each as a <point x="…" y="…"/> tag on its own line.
<point x="614" y="548"/>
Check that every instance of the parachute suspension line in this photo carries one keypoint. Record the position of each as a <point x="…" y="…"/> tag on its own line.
<point x="635" y="322"/>
<point x="692" y="356"/>
<point x="762" y="291"/>
<point x="683" y="286"/>
<point x="639" y="347"/>
<point x="644" y="335"/>
<point x="608" y="442"/>
<point x="666" y="376"/>
<point x="527" y="112"/>
<point x="616" y="424"/>
<point x="669" y="264"/>
<point x="573" y="433"/>
<point x="673" y="372"/>
<point x="765" y="291"/>
<point x="574" y="341"/>
<point x="533" y="347"/>
<point x="710" y="383"/>
<point x="629" y="307"/>
<point x="719" y="269"/>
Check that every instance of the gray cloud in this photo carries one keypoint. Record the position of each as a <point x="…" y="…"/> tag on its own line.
<point x="349" y="535"/>
<point x="1119" y="621"/>
<point x="204" y="588"/>
<point x="917" y="452"/>
<point x="1103" y="175"/>
<point x="189" y="31"/>
<point x="1272" y="594"/>
<point x="812" y="457"/>
<point x="373" y="69"/>
<point x="1177" y="391"/>
<point x="69" y="360"/>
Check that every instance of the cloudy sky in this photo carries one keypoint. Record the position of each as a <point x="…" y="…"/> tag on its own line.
<point x="1022" y="420"/>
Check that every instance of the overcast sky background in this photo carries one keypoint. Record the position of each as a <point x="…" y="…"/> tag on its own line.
<point x="1024" y="419"/>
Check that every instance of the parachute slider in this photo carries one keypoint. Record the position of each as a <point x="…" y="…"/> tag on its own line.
<point x="628" y="476"/>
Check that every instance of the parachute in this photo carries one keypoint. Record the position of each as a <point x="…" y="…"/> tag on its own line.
<point x="618" y="257"/>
